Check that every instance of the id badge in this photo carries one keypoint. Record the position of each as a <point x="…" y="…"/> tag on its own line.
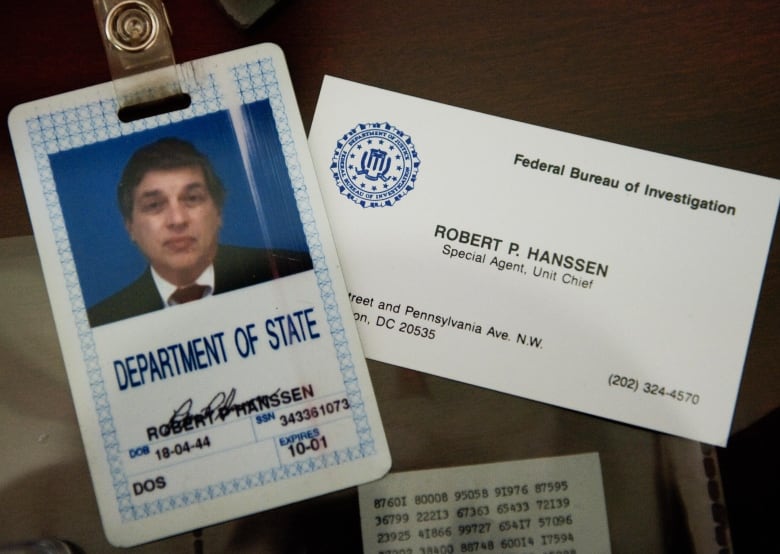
<point x="206" y="330"/>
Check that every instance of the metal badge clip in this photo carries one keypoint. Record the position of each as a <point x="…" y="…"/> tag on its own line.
<point x="137" y="38"/>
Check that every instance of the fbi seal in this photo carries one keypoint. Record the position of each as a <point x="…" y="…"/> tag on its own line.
<point x="375" y="165"/>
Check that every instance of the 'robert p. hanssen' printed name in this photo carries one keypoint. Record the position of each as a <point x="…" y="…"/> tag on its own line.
<point x="480" y="248"/>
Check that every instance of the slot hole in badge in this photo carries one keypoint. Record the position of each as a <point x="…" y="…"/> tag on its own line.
<point x="137" y="39"/>
<point x="143" y="110"/>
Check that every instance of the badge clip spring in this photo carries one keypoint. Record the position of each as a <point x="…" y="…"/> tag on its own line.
<point x="137" y="39"/>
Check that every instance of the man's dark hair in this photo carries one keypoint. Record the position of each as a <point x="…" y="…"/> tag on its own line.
<point x="164" y="154"/>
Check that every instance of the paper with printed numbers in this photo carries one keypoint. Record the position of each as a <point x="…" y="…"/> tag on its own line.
<point x="529" y="507"/>
<point x="597" y="277"/>
<point x="254" y="396"/>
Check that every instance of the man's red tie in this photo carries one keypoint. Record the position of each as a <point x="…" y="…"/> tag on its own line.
<point x="188" y="294"/>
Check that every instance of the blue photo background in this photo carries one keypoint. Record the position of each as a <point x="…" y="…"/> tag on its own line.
<point x="86" y="180"/>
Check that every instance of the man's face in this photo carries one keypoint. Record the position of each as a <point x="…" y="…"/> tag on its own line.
<point x="175" y="223"/>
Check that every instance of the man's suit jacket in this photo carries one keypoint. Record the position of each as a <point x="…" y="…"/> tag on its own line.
<point x="234" y="268"/>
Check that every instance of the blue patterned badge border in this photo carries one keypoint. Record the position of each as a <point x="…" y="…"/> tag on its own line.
<point x="95" y="122"/>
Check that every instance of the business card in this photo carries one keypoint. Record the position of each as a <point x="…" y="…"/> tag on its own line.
<point x="213" y="360"/>
<point x="526" y="506"/>
<point x="593" y="276"/>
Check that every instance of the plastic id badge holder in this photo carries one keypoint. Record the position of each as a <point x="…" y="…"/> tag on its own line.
<point x="204" y="323"/>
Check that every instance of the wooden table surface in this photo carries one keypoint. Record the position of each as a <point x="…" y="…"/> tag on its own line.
<point x="694" y="80"/>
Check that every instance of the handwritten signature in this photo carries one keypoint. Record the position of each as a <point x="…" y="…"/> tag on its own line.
<point x="219" y="406"/>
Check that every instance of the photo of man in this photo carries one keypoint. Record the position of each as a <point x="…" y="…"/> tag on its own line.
<point x="171" y="202"/>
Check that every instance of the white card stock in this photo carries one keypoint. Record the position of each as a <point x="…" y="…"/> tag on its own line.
<point x="527" y="506"/>
<point x="602" y="278"/>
